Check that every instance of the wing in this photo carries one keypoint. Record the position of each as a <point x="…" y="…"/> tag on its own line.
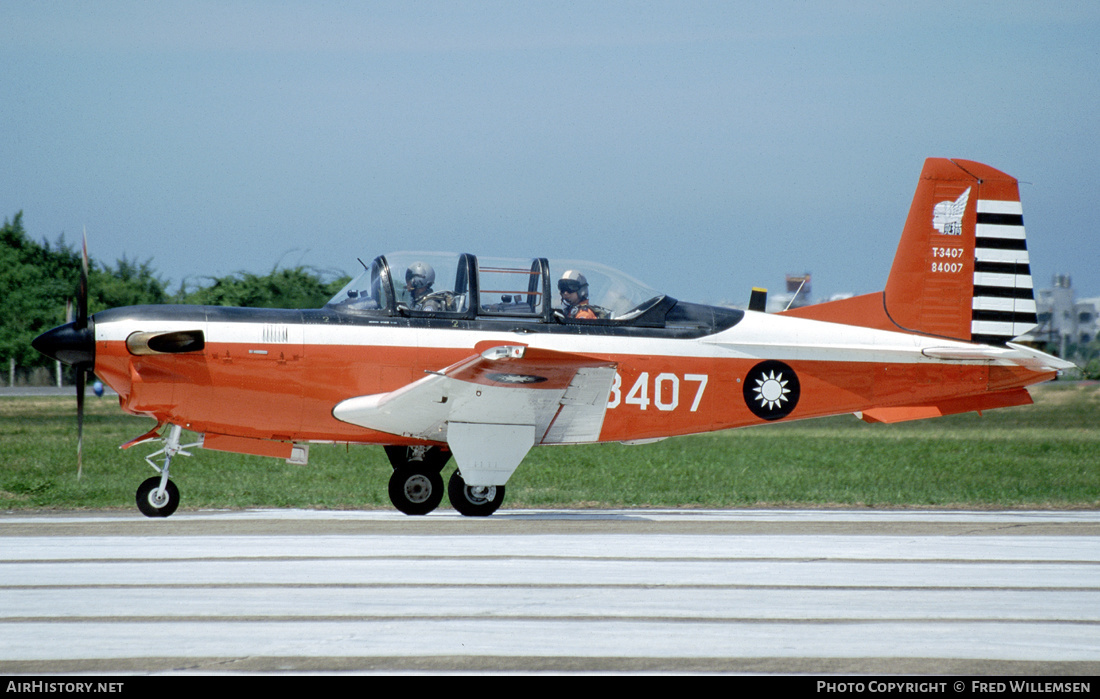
<point x="492" y="407"/>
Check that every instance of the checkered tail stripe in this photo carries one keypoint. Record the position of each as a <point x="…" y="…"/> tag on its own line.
<point x="1003" y="301"/>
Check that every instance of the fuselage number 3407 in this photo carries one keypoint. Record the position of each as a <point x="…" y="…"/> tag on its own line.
<point x="662" y="391"/>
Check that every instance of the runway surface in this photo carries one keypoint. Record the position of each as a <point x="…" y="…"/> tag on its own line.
<point x="744" y="591"/>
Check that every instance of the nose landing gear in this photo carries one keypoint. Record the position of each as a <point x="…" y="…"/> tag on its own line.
<point x="158" y="496"/>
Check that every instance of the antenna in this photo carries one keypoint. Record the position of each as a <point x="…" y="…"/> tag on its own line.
<point x="796" y="294"/>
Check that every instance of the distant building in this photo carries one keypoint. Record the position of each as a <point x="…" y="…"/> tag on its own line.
<point x="1064" y="320"/>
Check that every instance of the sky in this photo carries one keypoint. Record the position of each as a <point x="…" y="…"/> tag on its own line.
<point x="702" y="147"/>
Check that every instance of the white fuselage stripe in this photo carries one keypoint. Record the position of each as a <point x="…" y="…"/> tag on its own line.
<point x="757" y="336"/>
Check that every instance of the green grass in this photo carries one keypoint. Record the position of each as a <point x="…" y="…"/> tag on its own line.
<point x="1042" y="456"/>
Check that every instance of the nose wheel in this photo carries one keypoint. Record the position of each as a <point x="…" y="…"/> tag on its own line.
<point x="154" y="501"/>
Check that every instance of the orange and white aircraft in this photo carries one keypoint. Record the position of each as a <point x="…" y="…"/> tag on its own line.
<point x="434" y="355"/>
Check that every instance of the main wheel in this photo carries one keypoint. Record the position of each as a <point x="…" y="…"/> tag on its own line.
<point x="474" y="500"/>
<point x="414" y="490"/>
<point x="154" y="503"/>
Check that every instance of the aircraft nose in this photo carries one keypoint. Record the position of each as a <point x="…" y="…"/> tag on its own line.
<point x="68" y="344"/>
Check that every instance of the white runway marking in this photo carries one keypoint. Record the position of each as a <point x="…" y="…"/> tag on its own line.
<point x="311" y="593"/>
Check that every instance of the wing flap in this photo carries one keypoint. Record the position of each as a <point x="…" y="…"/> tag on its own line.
<point x="583" y="407"/>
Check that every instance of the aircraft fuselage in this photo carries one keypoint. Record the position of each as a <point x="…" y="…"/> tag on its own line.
<point x="276" y="374"/>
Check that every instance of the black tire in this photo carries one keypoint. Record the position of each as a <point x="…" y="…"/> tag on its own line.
<point x="149" y="505"/>
<point x="474" y="501"/>
<point x="415" y="490"/>
<point x="433" y="458"/>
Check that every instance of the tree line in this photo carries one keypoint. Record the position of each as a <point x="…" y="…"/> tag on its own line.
<point x="38" y="282"/>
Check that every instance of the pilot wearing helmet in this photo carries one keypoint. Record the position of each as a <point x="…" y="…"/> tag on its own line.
<point x="573" y="287"/>
<point x="419" y="278"/>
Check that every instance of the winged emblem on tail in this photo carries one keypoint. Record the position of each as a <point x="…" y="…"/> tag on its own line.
<point x="947" y="216"/>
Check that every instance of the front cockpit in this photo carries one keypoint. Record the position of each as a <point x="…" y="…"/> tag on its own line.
<point x="534" y="291"/>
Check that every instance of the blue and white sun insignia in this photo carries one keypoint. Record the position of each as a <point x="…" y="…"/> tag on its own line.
<point x="771" y="390"/>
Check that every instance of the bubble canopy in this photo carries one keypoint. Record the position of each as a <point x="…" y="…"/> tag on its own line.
<point x="462" y="285"/>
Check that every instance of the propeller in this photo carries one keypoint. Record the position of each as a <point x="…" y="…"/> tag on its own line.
<point x="81" y="323"/>
<point x="74" y="344"/>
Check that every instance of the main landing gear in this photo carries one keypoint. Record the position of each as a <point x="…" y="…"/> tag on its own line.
<point x="474" y="500"/>
<point x="158" y="496"/>
<point x="416" y="486"/>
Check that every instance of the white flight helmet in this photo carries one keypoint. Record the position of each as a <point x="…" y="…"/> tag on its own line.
<point x="573" y="280"/>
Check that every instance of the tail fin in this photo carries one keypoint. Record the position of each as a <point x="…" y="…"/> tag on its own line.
<point x="961" y="269"/>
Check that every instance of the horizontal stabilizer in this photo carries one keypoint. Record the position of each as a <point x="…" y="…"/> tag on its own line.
<point x="989" y="401"/>
<point x="1016" y="354"/>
